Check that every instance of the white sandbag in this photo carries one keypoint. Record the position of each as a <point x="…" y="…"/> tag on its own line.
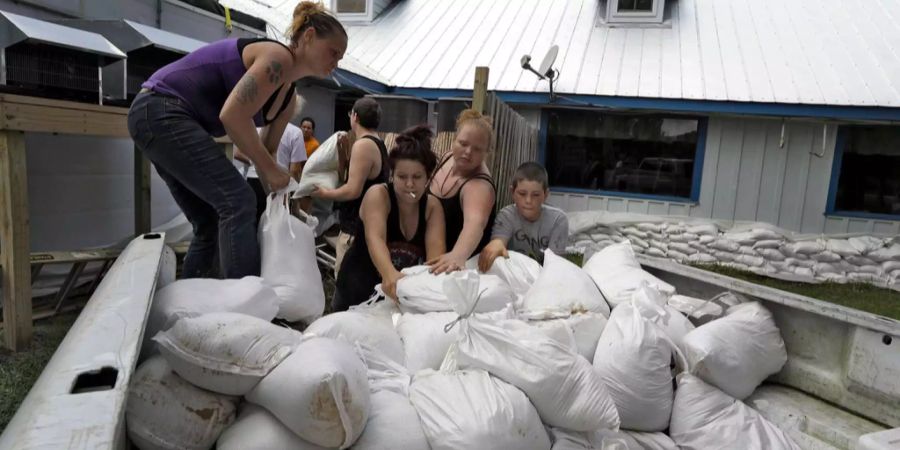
<point x="866" y="244"/>
<point x="650" y="226"/>
<point x="197" y="296"/>
<point x="873" y="270"/>
<point x="257" y="429"/>
<point x="653" y="306"/>
<point x="677" y="256"/>
<point x="808" y="263"/>
<point x="558" y="330"/>
<point x="370" y="324"/>
<point x="860" y="261"/>
<point x="725" y="245"/>
<point x="638" y="243"/>
<point x="707" y="229"/>
<point x="659" y="237"/>
<point x="803" y="247"/>
<point x="632" y="358"/>
<point x="748" y="260"/>
<point x="586" y="328"/>
<point x="631" y="440"/>
<point x="772" y="254"/>
<point x="674" y="228"/>
<point x="706" y="239"/>
<point x="683" y="248"/>
<point x="660" y="245"/>
<point x="863" y="277"/>
<point x="839" y="278"/>
<point x="841" y="247"/>
<point x="747" y="250"/>
<point x="518" y="271"/>
<point x="825" y="256"/>
<point x="425" y="342"/>
<point x="704" y="417"/>
<point x="288" y="255"/>
<point x="655" y="252"/>
<point x="634" y="232"/>
<point x="420" y="291"/>
<point x="393" y="424"/>
<point x="163" y="411"/>
<point x="228" y="353"/>
<point x="890" y="266"/>
<point x="768" y="243"/>
<point x="563" y="286"/>
<point x="682" y="238"/>
<point x="883" y="254"/>
<point x="384" y="374"/>
<point x="737" y="352"/>
<point x="722" y="256"/>
<point x="804" y="272"/>
<point x="321" y="169"/>
<point x="823" y="268"/>
<point x="563" y="439"/>
<point x="564" y="388"/>
<point x="701" y="311"/>
<point x="469" y="409"/>
<point x="320" y="392"/>
<point x="617" y="273"/>
<point x="702" y="258"/>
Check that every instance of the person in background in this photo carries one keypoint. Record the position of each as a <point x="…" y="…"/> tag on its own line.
<point x="368" y="166"/>
<point x="308" y="125"/>
<point x="291" y="155"/>
<point x="463" y="183"/>
<point x="528" y="225"/>
<point x="229" y="87"/>
<point x="400" y="225"/>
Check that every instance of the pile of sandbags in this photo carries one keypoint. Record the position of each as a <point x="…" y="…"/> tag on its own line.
<point x="757" y="247"/>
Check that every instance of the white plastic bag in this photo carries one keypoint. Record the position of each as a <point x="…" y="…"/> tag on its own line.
<point x="633" y="358"/>
<point x="563" y="286"/>
<point x="163" y="411"/>
<point x="518" y="271"/>
<point x="321" y="169"/>
<point x="393" y="424"/>
<point x="631" y="440"/>
<point x="617" y="274"/>
<point x="704" y="417"/>
<point x="737" y="352"/>
<point x="469" y="409"/>
<point x="579" y="331"/>
<point x="563" y="387"/>
<point x="425" y="342"/>
<point x="320" y="392"/>
<point x="257" y="429"/>
<point x="288" y="255"/>
<point x="421" y="292"/>
<point x="225" y="352"/>
<point x="370" y="324"/>
<point x="653" y="305"/>
<point x="197" y="296"/>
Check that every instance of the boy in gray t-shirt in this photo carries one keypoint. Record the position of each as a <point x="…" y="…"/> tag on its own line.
<point x="528" y="226"/>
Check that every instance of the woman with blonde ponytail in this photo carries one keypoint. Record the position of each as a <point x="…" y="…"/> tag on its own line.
<point x="467" y="192"/>
<point x="229" y="87"/>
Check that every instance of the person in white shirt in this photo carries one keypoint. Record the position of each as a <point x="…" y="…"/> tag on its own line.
<point x="291" y="155"/>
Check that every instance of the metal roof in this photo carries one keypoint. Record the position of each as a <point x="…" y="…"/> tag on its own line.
<point x="817" y="52"/>
<point x="15" y="28"/>
<point x="129" y="36"/>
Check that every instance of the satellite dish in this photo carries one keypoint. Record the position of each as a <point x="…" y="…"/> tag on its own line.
<point x="545" y="67"/>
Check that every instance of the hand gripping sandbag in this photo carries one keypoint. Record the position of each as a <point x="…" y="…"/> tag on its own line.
<point x="257" y="429"/>
<point x="320" y="392"/>
<point x="165" y="412"/>
<point x="704" y="417"/>
<point x="197" y="296"/>
<point x="469" y="409"/>
<point x="737" y="352"/>
<point x="617" y="273"/>
<point x="226" y="353"/>
<point x="420" y="292"/>
<point x="321" y="169"/>
<point x="369" y="323"/>
<point x="518" y="271"/>
<point x="563" y="286"/>
<point x="633" y="358"/>
<point x="288" y="254"/>
<point x="564" y="388"/>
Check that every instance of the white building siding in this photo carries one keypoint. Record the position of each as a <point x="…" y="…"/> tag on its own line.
<point x="747" y="176"/>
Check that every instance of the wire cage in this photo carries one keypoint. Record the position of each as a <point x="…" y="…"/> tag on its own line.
<point x="48" y="71"/>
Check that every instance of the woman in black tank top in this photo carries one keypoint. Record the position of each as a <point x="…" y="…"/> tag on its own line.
<point x="467" y="192"/>
<point x="401" y="226"/>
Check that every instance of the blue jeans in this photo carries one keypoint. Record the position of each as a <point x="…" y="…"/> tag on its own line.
<point x="214" y="197"/>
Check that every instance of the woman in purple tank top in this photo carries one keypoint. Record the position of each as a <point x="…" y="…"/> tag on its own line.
<point x="229" y="87"/>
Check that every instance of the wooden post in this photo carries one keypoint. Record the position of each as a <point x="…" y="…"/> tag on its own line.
<point x="142" y="210"/>
<point x="479" y="92"/>
<point x="14" y="244"/>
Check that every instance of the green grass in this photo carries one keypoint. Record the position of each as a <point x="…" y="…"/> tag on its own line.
<point x="861" y="296"/>
<point x="19" y="371"/>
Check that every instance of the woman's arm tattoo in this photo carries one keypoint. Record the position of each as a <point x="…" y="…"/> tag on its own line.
<point x="247" y="89"/>
<point x="274" y="72"/>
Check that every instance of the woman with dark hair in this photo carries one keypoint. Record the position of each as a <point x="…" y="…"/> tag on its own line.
<point x="229" y="87"/>
<point x="403" y="226"/>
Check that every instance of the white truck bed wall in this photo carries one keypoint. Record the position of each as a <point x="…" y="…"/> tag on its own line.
<point x="78" y="402"/>
<point x="845" y="356"/>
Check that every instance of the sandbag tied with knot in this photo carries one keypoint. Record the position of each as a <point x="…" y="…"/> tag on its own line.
<point x="564" y="388"/>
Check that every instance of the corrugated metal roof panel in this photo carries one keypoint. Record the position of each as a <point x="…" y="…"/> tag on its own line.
<point x="836" y="52"/>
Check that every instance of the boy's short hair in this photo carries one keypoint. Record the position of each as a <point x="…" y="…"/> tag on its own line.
<point x="531" y="171"/>
<point x="368" y="112"/>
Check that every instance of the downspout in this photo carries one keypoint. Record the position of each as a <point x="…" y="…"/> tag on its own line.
<point x="159" y="14"/>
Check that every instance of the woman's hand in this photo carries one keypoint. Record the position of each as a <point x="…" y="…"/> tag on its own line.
<point x="275" y="178"/>
<point x="389" y="285"/>
<point x="492" y="251"/>
<point x="446" y="263"/>
<point x="320" y="192"/>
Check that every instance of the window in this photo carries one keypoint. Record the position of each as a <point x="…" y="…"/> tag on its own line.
<point x="628" y="154"/>
<point x="635" y="6"/>
<point x="350" y="6"/>
<point x="634" y="12"/>
<point x="867" y="171"/>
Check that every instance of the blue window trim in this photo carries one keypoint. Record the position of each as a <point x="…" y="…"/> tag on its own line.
<point x="830" y="211"/>
<point x="699" y="156"/>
